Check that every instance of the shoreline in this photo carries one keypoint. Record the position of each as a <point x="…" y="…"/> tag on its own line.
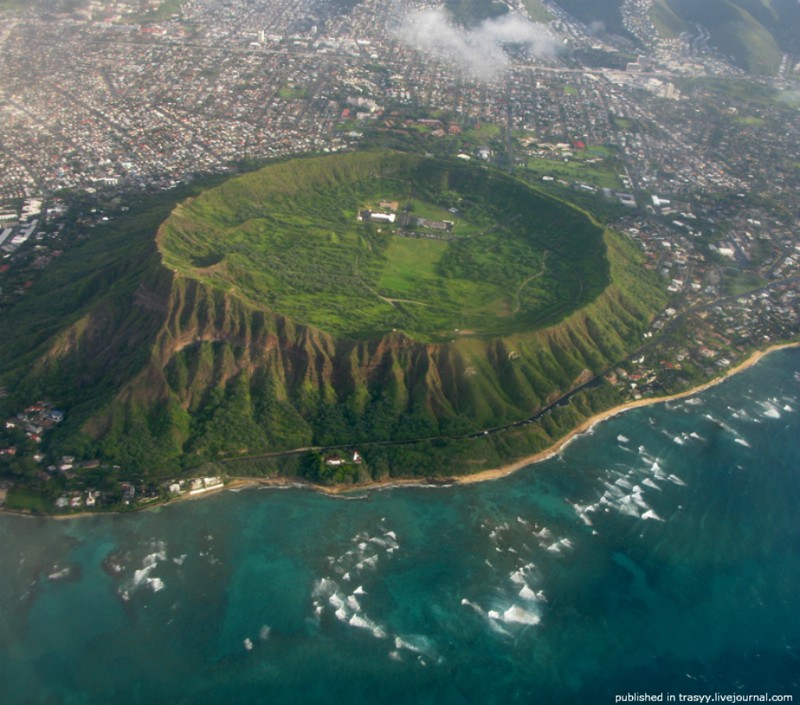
<point x="510" y="468"/>
<point x="239" y="483"/>
<point x="560" y="444"/>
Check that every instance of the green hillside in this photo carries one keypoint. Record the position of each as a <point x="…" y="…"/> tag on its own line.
<point x="754" y="33"/>
<point x="666" y="21"/>
<point x="171" y="356"/>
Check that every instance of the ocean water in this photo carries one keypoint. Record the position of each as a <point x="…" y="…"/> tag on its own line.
<point x="659" y="553"/>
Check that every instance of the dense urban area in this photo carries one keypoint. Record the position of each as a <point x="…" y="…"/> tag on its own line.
<point x="665" y="139"/>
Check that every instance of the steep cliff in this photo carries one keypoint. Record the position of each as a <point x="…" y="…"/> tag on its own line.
<point x="170" y="366"/>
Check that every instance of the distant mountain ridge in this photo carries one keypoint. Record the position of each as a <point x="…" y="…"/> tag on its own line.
<point x="754" y="33"/>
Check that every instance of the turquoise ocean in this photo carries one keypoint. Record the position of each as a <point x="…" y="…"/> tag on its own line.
<point x="658" y="553"/>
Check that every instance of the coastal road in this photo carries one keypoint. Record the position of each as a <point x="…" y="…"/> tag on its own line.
<point x="563" y="400"/>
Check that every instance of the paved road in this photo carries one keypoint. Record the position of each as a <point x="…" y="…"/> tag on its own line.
<point x="561" y="401"/>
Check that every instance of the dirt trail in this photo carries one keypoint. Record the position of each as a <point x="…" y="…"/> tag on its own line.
<point x="528" y="281"/>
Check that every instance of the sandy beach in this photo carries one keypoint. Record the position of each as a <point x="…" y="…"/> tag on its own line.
<point x="505" y="470"/>
<point x="238" y="483"/>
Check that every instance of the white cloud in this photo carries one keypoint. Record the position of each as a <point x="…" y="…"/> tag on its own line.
<point x="479" y="50"/>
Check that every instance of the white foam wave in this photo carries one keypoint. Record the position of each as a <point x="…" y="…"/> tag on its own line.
<point x="517" y="615"/>
<point x="627" y="506"/>
<point x="637" y="497"/>
<point x="154" y="558"/>
<point x="742" y="442"/>
<point x="139" y="576"/>
<point x="650" y="514"/>
<point x="468" y="603"/>
<point x="491" y="617"/>
<point x="729" y="428"/>
<point x="558" y="545"/>
<point x="388" y="540"/>
<point x="324" y="588"/>
<point x="583" y="511"/>
<point x="248" y="644"/>
<point x="347" y="608"/>
<point x="353" y="604"/>
<point x="362" y="622"/>
<point x="59" y="574"/>
<point x="521" y="575"/>
<point x="336" y="600"/>
<point x="370" y="562"/>
<point x="676" y="480"/>
<point x="623" y="439"/>
<point x="770" y="411"/>
<point x="416" y="643"/>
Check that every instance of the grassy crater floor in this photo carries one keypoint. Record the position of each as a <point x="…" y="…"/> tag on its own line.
<point x="470" y="251"/>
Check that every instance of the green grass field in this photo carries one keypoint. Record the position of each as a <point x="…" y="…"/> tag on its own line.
<point x="601" y="174"/>
<point x="292" y="93"/>
<point x="736" y="282"/>
<point x="537" y="11"/>
<point x="750" y="120"/>
<point x="287" y="238"/>
<point x="414" y="266"/>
